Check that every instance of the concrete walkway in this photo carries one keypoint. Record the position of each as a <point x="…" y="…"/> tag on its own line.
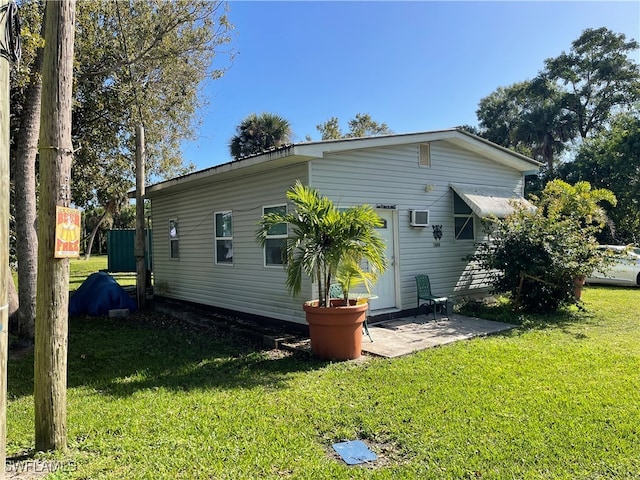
<point x="394" y="338"/>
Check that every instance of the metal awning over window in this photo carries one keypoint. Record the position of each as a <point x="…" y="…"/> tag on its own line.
<point x="486" y="200"/>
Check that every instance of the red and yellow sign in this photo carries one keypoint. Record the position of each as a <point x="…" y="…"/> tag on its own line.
<point x="67" y="232"/>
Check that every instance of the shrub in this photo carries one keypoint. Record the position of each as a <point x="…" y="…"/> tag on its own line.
<point x="536" y="256"/>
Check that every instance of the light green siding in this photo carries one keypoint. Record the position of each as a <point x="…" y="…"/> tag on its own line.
<point x="364" y="171"/>
<point x="245" y="285"/>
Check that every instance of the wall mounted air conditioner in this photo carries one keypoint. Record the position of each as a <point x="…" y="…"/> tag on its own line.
<point x="419" y="218"/>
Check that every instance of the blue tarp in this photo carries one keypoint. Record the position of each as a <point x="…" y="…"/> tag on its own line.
<point x="98" y="294"/>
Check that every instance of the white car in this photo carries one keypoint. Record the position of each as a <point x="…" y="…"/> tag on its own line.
<point x="624" y="271"/>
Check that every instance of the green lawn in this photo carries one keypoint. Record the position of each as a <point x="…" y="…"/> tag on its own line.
<point x="80" y="269"/>
<point x="149" y="400"/>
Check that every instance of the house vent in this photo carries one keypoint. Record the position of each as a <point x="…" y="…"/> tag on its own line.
<point x="425" y="155"/>
<point x="419" y="218"/>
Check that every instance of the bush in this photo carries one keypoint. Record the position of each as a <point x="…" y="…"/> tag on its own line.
<point x="536" y="256"/>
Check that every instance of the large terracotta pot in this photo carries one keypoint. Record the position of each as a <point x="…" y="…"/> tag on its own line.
<point x="336" y="332"/>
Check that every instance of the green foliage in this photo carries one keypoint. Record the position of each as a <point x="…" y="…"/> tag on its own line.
<point x="322" y="237"/>
<point x="528" y="117"/>
<point x="330" y="129"/>
<point x="360" y="126"/>
<point x="257" y="133"/>
<point x="536" y="256"/>
<point x="573" y="96"/>
<point x="598" y="76"/>
<point x="611" y="160"/>
<point x="135" y="62"/>
<point x="579" y="202"/>
<point x="351" y="275"/>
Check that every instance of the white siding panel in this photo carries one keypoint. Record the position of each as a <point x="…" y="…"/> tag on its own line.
<point x="246" y="286"/>
<point x="393" y="176"/>
<point x="382" y="175"/>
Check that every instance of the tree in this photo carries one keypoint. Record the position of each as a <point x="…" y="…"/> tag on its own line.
<point x="536" y="256"/>
<point x="113" y="205"/>
<point x="136" y="60"/>
<point x="52" y="301"/>
<point x="580" y="202"/>
<point x="528" y="117"/>
<point x="610" y="159"/>
<point x="324" y="237"/>
<point x="575" y="94"/>
<point x="330" y="129"/>
<point x="257" y="133"/>
<point x="24" y="177"/>
<point x="142" y="60"/>
<point x="598" y="75"/>
<point x="360" y="126"/>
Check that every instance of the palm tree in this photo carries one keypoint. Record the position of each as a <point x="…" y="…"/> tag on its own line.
<point x="257" y="133"/>
<point x="561" y="199"/>
<point x="545" y="124"/>
<point x="323" y="237"/>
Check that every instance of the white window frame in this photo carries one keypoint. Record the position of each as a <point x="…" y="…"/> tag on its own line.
<point x="274" y="237"/>
<point x="468" y="216"/>
<point x="218" y="238"/>
<point x="174" y="224"/>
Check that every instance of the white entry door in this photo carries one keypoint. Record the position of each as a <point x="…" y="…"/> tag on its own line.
<point x="385" y="288"/>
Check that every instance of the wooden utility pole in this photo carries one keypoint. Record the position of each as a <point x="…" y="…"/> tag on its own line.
<point x="52" y="299"/>
<point x="141" y="268"/>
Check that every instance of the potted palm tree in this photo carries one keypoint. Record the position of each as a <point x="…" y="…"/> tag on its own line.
<point x="322" y="238"/>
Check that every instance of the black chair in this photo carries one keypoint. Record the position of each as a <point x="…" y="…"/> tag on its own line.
<point x="423" y="286"/>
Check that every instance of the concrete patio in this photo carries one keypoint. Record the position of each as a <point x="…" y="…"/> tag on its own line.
<point x="402" y="336"/>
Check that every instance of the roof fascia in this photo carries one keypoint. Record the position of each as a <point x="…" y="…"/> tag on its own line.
<point x="318" y="149"/>
<point x="201" y="175"/>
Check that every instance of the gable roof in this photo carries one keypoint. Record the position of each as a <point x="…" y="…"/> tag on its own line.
<point x="303" y="152"/>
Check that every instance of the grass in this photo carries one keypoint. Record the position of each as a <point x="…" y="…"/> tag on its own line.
<point x="151" y="399"/>
<point x="80" y="269"/>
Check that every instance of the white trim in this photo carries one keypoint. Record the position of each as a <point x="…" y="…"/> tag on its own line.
<point x="4" y="307"/>
<point x="176" y="221"/>
<point x="274" y="237"/>
<point x="216" y="237"/>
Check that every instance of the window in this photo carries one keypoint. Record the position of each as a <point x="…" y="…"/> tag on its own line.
<point x="425" y="155"/>
<point x="224" y="237"/>
<point x="276" y="243"/>
<point x="463" y="219"/>
<point x="174" y="239"/>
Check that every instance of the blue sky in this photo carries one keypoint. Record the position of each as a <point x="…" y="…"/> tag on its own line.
<point x="415" y="65"/>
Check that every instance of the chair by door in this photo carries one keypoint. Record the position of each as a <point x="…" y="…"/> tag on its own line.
<point x="423" y="286"/>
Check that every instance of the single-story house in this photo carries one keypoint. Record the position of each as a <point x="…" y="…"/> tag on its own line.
<point x="430" y="188"/>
